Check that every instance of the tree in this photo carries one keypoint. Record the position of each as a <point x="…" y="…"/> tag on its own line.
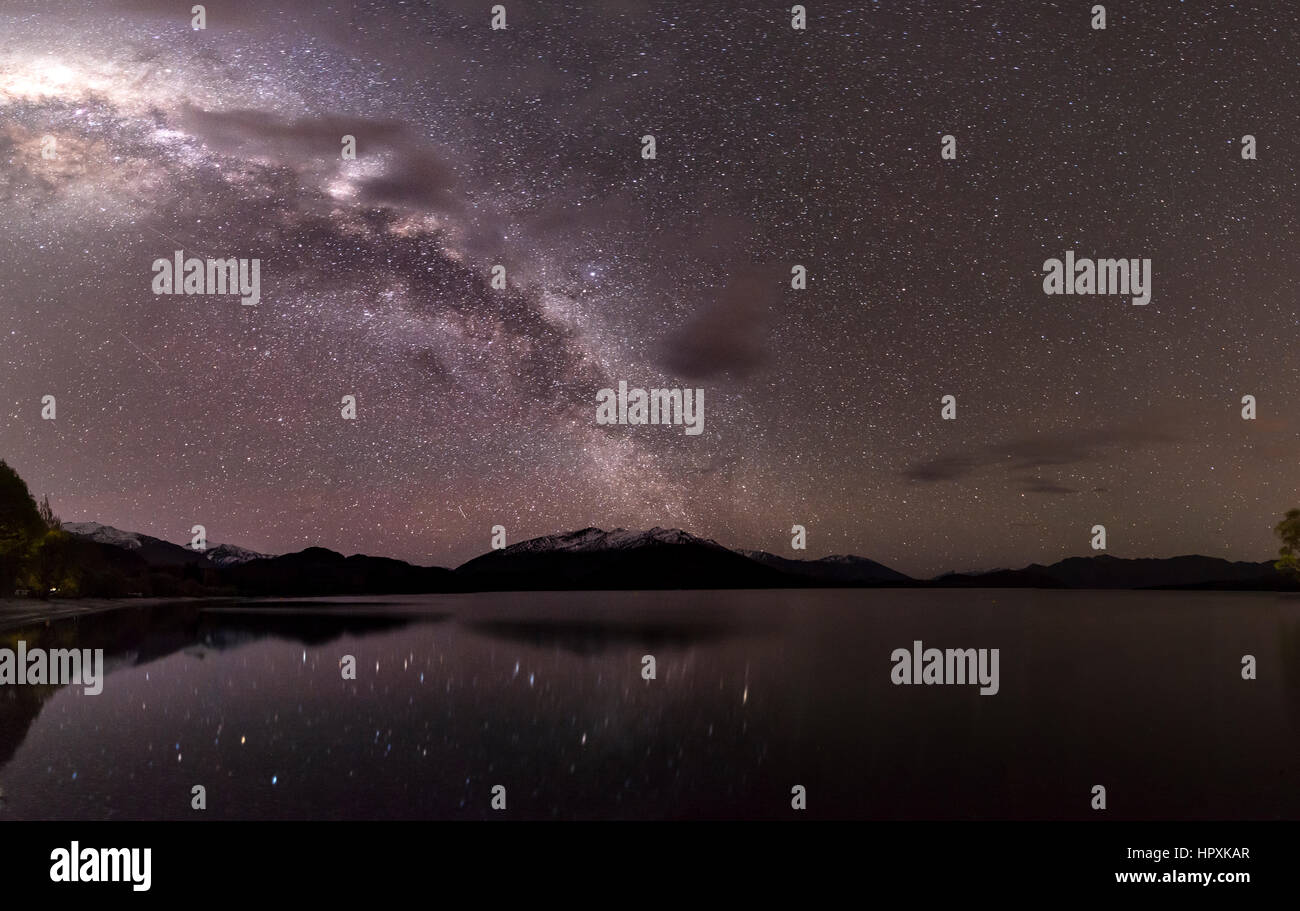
<point x="47" y="514"/>
<point x="1289" y="531"/>
<point x="51" y="565"/>
<point x="21" y="526"/>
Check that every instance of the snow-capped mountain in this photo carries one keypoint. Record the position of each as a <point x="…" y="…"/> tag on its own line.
<point x="104" y="534"/>
<point x="837" y="568"/>
<point x="232" y="555"/>
<point x="591" y="540"/>
<point x="157" y="550"/>
<point x="658" y="558"/>
<point x="592" y="558"/>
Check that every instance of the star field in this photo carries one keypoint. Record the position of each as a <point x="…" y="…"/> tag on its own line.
<point x="775" y="147"/>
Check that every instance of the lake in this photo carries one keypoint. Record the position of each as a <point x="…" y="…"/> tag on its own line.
<point x="754" y="693"/>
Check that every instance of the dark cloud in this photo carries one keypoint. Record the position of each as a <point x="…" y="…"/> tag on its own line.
<point x="261" y="133"/>
<point x="1049" y="450"/>
<point x="727" y="336"/>
<point x="1041" y="485"/>
<point x="420" y="178"/>
<point x="1037" y="452"/>
<point x="415" y="174"/>
<point x="942" y="468"/>
<point x="220" y="14"/>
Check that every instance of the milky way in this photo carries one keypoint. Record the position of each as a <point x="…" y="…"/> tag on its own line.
<point x="775" y="147"/>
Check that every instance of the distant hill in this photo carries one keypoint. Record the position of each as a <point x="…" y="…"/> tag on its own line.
<point x="157" y="552"/>
<point x="114" y="563"/>
<point x="153" y="551"/>
<point x="117" y="562"/>
<point x="1107" y="572"/>
<point x="231" y="555"/>
<point x="833" y="570"/>
<point x="593" y="559"/>
<point x="317" y="571"/>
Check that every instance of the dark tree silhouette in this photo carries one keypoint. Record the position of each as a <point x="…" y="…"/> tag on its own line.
<point x="1289" y="531"/>
<point x="47" y="514"/>
<point x="21" y="527"/>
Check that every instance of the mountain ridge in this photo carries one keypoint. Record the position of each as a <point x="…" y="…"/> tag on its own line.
<point x="220" y="554"/>
<point x="659" y="558"/>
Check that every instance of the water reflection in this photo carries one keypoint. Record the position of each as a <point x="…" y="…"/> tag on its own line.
<point x="593" y="636"/>
<point x="133" y="637"/>
<point x="755" y="692"/>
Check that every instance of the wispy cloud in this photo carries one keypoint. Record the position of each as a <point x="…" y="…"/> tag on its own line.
<point x="1035" y="453"/>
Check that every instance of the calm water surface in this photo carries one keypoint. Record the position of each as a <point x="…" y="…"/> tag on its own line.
<point x="756" y="692"/>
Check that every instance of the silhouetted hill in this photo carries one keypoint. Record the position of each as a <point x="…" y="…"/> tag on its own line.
<point x="115" y="563"/>
<point x="592" y="559"/>
<point x="833" y="570"/>
<point x="153" y="551"/>
<point x="1107" y="572"/>
<point x="110" y="571"/>
<point x="317" y="571"/>
<point x="158" y="553"/>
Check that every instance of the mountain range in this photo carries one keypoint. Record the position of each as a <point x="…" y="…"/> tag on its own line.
<point x="594" y="559"/>
<point x="159" y="552"/>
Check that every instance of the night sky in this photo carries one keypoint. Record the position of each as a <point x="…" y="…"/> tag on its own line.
<point x="775" y="147"/>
